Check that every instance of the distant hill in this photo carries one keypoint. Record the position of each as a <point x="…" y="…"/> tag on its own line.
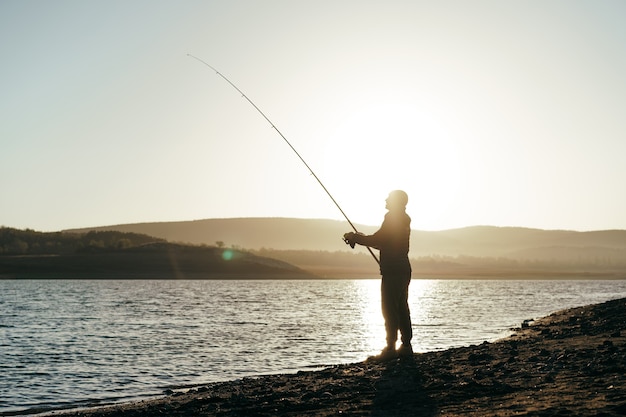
<point x="27" y="254"/>
<point x="286" y="247"/>
<point x="31" y="242"/>
<point x="249" y="233"/>
<point x="325" y="235"/>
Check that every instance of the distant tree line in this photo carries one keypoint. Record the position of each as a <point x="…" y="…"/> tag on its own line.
<point x="360" y="259"/>
<point x="30" y="242"/>
<point x="592" y="262"/>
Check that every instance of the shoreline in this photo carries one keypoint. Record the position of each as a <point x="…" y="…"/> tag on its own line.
<point x="310" y="276"/>
<point x="572" y="362"/>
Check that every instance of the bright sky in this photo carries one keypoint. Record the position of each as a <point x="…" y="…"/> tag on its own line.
<point x="506" y="113"/>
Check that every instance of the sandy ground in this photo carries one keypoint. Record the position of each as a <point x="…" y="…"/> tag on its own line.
<point x="571" y="363"/>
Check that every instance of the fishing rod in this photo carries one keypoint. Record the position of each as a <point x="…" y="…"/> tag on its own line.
<point x="290" y="145"/>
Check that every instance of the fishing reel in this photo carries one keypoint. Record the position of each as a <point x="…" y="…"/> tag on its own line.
<point x="348" y="238"/>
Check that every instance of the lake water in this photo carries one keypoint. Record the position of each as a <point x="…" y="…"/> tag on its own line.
<point x="75" y="343"/>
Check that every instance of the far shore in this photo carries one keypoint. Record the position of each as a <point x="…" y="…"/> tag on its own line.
<point x="571" y="363"/>
<point x="203" y="264"/>
<point x="474" y="273"/>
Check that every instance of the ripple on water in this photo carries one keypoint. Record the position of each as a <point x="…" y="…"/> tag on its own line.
<point x="70" y="343"/>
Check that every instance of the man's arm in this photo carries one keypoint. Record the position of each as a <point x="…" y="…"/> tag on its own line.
<point x="372" y="241"/>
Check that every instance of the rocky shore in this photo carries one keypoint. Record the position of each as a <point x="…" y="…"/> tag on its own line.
<point x="571" y="363"/>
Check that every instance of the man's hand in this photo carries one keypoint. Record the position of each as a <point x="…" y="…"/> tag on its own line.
<point x="350" y="239"/>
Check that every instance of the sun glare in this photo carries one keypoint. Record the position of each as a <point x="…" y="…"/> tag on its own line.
<point x="385" y="147"/>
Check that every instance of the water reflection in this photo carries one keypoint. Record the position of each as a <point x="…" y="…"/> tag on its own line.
<point x="424" y="295"/>
<point x="368" y="317"/>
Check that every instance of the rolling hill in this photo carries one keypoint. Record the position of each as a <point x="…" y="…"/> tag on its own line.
<point x="289" y="234"/>
<point x="27" y="254"/>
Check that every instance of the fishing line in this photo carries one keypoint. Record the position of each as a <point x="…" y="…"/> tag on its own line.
<point x="288" y="143"/>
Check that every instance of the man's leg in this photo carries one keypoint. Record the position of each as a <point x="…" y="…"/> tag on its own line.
<point x="390" y="311"/>
<point x="404" y="315"/>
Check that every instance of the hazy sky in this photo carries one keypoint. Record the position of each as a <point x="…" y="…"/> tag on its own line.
<point x="506" y="113"/>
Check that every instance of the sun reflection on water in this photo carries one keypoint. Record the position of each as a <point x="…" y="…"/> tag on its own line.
<point x="370" y="317"/>
<point x="422" y="296"/>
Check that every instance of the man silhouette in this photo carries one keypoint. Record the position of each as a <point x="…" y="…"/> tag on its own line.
<point x="392" y="240"/>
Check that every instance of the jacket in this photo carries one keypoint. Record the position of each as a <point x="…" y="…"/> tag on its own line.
<point x="392" y="240"/>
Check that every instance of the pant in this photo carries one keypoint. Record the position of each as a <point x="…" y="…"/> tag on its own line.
<point x="395" y="306"/>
